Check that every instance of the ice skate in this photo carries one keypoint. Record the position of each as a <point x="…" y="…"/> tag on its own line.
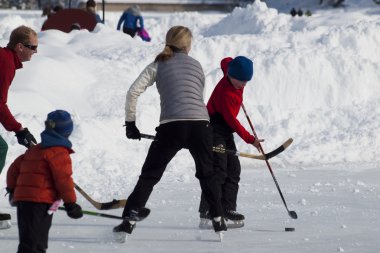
<point x="121" y="231"/>
<point x="5" y="221"/>
<point x="234" y="219"/>
<point x="205" y="220"/>
<point x="219" y="226"/>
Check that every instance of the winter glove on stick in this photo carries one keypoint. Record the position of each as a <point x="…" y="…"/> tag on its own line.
<point x="73" y="210"/>
<point x="132" y="131"/>
<point x="25" y="138"/>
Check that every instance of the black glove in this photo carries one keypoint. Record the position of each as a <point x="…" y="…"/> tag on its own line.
<point x="73" y="210"/>
<point x="10" y="192"/>
<point x="25" y="138"/>
<point x="132" y="131"/>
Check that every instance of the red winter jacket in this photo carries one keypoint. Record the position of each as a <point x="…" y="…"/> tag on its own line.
<point x="226" y="101"/>
<point x="9" y="62"/>
<point x="42" y="175"/>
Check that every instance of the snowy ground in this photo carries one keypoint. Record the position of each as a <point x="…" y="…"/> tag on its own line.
<point x="316" y="80"/>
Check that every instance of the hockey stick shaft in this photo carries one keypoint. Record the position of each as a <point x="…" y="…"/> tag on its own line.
<point x="237" y="153"/>
<point x="104" y="215"/>
<point x="96" y="204"/>
<point x="292" y="214"/>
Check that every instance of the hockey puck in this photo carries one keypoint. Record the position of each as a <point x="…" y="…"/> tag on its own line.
<point x="290" y="229"/>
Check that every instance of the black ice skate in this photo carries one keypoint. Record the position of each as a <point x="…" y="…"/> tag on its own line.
<point x="120" y="232"/>
<point x="236" y="218"/>
<point x="219" y="226"/>
<point x="5" y="221"/>
<point x="205" y="220"/>
<point x="129" y="223"/>
<point x="126" y="226"/>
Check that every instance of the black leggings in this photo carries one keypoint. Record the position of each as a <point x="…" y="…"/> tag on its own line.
<point x="170" y="138"/>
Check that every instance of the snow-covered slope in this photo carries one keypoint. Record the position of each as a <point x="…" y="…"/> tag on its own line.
<point x="316" y="80"/>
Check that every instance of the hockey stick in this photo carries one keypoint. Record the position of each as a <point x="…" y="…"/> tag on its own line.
<point x="292" y="214"/>
<point x="114" y="204"/>
<point x="237" y="153"/>
<point x="104" y="215"/>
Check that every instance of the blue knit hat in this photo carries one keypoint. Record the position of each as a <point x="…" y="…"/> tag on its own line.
<point x="241" y="68"/>
<point x="60" y="121"/>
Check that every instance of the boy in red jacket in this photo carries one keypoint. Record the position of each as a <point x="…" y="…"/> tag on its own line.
<point x="36" y="179"/>
<point x="223" y="108"/>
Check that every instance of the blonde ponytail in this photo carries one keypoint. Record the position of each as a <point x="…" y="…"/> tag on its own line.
<point x="178" y="38"/>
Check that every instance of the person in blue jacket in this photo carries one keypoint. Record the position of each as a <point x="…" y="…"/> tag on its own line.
<point x="132" y="21"/>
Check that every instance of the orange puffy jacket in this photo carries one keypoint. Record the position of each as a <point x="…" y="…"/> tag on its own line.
<point x="42" y="175"/>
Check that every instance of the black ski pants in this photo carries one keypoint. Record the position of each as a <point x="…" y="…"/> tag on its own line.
<point x="227" y="166"/>
<point x="33" y="227"/>
<point x="131" y="32"/>
<point x="170" y="138"/>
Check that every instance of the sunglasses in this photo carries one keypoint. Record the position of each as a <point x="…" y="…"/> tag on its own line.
<point x="31" y="47"/>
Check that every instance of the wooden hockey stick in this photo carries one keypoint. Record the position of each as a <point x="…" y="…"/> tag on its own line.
<point x="114" y="204"/>
<point x="237" y="153"/>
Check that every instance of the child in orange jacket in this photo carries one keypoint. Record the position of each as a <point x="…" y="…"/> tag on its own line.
<point x="38" y="178"/>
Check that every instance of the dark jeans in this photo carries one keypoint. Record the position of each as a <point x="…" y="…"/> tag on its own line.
<point x="131" y="32"/>
<point x="228" y="167"/>
<point x="33" y="227"/>
<point x="170" y="138"/>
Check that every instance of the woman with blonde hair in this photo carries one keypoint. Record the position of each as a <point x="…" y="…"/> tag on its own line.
<point x="184" y="123"/>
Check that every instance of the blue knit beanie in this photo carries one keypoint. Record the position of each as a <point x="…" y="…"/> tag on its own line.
<point x="60" y="121"/>
<point x="241" y="68"/>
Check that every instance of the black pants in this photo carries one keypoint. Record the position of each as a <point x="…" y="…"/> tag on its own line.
<point x="228" y="167"/>
<point x="33" y="227"/>
<point x="131" y="32"/>
<point x="170" y="138"/>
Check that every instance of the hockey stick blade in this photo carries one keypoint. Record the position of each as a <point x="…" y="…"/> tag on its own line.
<point x="266" y="156"/>
<point x="114" y="204"/>
<point x="279" y="149"/>
<point x="293" y="215"/>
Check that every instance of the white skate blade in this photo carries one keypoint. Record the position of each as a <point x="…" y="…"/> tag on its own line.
<point x="120" y="237"/>
<point x="236" y="224"/>
<point x="206" y="224"/>
<point x="5" y="224"/>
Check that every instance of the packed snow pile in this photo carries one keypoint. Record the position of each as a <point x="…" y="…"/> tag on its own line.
<point x="256" y="18"/>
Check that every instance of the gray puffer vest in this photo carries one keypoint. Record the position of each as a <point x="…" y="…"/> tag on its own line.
<point x="180" y="82"/>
